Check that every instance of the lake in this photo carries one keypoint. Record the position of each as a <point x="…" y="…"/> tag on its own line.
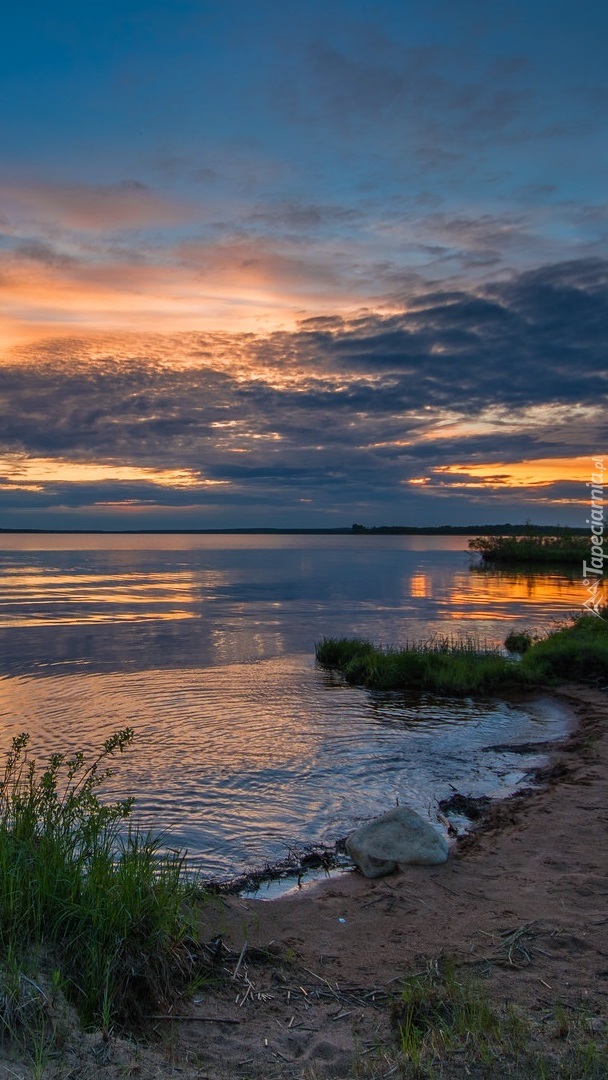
<point x="245" y="748"/>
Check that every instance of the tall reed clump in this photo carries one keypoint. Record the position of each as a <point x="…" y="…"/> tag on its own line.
<point x="576" y="651"/>
<point x="531" y="549"/>
<point x="441" y="664"/>
<point x="97" y="899"/>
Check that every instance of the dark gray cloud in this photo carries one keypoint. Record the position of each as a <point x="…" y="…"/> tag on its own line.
<point x="343" y="412"/>
<point x="371" y="77"/>
<point x="295" y="215"/>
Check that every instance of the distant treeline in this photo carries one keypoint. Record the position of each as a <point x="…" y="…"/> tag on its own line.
<point x="469" y="530"/>
<point x="373" y="530"/>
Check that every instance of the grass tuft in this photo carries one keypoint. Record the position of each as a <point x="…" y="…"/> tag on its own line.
<point x="442" y="1014"/>
<point x="338" y="652"/>
<point x="100" y="901"/>
<point x="448" y="1025"/>
<point x="518" y="642"/>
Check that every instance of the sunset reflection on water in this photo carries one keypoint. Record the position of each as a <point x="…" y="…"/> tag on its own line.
<point x="481" y="594"/>
<point x="205" y="646"/>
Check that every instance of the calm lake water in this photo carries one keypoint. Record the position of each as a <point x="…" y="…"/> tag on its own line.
<point x="205" y="646"/>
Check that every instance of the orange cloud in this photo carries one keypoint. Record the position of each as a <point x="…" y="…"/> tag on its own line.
<point x="73" y="258"/>
<point x="38" y="301"/>
<point x="553" y="417"/>
<point x="539" y="473"/>
<point x="34" y="474"/>
<point x="259" y="264"/>
<point x="196" y="287"/>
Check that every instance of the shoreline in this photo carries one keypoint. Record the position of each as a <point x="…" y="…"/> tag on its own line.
<point x="339" y="530"/>
<point x="331" y="858"/>
<point x="305" y="982"/>
<point x="533" y="868"/>
<point x="313" y="858"/>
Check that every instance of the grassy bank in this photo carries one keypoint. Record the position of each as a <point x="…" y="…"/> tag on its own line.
<point x="543" y="550"/>
<point x="92" y="912"/>
<point x="577" y="651"/>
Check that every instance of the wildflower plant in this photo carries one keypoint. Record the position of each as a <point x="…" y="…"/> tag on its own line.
<point x="102" y="899"/>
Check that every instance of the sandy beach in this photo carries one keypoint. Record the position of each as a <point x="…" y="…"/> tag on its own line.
<point x="521" y="903"/>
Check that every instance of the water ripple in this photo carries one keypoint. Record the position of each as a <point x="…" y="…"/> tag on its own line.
<point x="240" y="763"/>
<point x="204" y="646"/>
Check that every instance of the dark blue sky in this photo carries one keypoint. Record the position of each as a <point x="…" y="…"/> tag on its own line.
<point x="301" y="264"/>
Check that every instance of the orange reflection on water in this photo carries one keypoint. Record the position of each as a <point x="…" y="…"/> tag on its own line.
<point x="52" y="619"/>
<point x="420" y="585"/>
<point x="493" y="590"/>
<point x="29" y="597"/>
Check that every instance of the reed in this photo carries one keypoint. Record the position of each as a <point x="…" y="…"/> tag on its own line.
<point x="440" y="664"/>
<point x="520" y="550"/>
<point x="578" y="650"/>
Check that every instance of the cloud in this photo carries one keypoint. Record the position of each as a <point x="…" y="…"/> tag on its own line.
<point x="129" y="204"/>
<point x="431" y="97"/>
<point x="347" y="412"/>
<point x="115" y="256"/>
<point x="38" y="251"/>
<point x="304" y="216"/>
<point x="539" y="472"/>
<point x="246" y="262"/>
<point x="18" y="471"/>
<point x="217" y="277"/>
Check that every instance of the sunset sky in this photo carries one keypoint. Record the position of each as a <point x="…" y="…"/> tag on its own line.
<point x="302" y="264"/>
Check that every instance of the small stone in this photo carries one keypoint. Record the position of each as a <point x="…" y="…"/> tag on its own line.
<point x="596" y="1024"/>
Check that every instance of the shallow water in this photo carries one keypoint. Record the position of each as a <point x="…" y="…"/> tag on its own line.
<point x="244" y="747"/>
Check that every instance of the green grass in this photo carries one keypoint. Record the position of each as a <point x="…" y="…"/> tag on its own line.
<point x="447" y="1026"/>
<point x="83" y="895"/>
<point x="443" y="665"/>
<point x="578" y="651"/>
<point x="531" y="549"/>
<point x="442" y="1014"/>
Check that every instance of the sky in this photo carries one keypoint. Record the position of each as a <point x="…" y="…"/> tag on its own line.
<point x="302" y="265"/>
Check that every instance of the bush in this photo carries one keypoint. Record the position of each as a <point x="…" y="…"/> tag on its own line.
<point x="518" y="642"/>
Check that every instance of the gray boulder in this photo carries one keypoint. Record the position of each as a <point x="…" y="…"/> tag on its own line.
<point x="400" y="837"/>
